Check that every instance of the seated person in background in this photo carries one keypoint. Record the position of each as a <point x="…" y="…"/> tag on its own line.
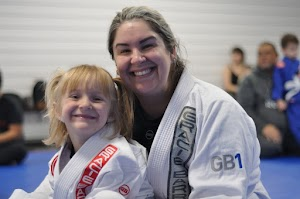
<point x="286" y="85"/>
<point x="12" y="146"/>
<point x="254" y="95"/>
<point x="38" y="96"/>
<point x="235" y="71"/>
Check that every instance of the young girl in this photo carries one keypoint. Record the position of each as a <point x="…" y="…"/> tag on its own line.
<point x="91" y="120"/>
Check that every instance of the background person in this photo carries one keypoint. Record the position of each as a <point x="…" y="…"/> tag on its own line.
<point x="255" y="97"/>
<point x="38" y="95"/>
<point x="12" y="144"/>
<point x="286" y="87"/>
<point x="235" y="71"/>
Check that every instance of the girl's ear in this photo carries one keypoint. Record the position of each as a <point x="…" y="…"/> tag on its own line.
<point x="111" y="116"/>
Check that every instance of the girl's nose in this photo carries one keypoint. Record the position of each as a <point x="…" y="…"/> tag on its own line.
<point x="85" y="103"/>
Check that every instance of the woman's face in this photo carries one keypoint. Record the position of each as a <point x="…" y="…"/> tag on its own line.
<point x="236" y="58"/>
<point x="142" y="59"/>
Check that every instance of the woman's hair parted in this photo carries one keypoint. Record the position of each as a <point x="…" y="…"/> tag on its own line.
<point x="158" y="24"/>
<point x="64" y="82"/>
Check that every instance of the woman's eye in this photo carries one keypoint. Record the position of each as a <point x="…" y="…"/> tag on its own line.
<point x="147" y="46"/>
<point x="124" y="51"/>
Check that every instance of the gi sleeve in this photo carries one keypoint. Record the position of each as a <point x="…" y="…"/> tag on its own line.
<point x="19" y="193"/>
<point x="124" y="176"/>
<point x="226" y="158"/>
<point x="140" y="153"/>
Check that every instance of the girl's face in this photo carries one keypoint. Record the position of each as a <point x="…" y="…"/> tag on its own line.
<point x="84" y="112"/>
<point x="141" y="57"/>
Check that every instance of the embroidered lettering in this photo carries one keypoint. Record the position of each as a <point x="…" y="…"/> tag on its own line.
<point x="181" y="152"/>
<point x="80" y="194"/>
<point x="226" y="162"/>
<point x="93" y="169"/>
<point x="88" y="180"/>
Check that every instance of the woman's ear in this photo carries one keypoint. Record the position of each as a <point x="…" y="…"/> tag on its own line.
<point x="110" y="118"/>
<point x="173" y="54"/>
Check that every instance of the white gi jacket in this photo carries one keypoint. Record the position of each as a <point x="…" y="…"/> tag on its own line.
<point x="101" y="168"/>
<point x="205" y="146"/>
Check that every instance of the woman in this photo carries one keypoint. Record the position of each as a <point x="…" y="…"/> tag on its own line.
<point x="201" y="143"/>
<point x="235" y="71"/>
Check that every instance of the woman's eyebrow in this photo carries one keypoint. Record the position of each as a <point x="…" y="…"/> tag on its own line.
<point x="141" y="42"/>
<point x="147" y="39"/>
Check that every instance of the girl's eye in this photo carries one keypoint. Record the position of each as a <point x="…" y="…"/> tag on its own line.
<point x="74" y="96"/>
<point x="97" y="99"/>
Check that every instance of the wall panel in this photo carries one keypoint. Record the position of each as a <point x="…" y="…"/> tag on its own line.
<point x="36" y="36"/>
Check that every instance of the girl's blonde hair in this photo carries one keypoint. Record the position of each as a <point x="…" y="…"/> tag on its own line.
<point x="90" y="76"/>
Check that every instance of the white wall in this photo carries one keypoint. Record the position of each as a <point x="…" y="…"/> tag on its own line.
<point x="37" y="36"/>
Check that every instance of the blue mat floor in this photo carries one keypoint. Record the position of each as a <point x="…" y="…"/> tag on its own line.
<point x="26" y="176"/>
<point x="280" y="176"/>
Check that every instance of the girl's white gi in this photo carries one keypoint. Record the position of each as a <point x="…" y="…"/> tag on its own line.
<point x="205" y="146"/>
<point x="101" y="168"/>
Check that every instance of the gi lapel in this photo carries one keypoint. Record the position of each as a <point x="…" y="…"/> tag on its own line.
<point x="162" y="150"/>
<point x="73" y="171"/>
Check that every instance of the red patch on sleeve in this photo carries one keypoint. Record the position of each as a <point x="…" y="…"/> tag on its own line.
<point x="124" y="190"/>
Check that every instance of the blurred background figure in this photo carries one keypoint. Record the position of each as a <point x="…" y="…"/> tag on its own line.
<point x="38" y="95"/>
<point x="255" y="96"/>
<point x="12" y="145"/>
<point x="235" y="71"/>
<point x="286" y="84"/>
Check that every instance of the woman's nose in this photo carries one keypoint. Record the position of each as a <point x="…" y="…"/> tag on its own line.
<point x="137" y="57"/>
